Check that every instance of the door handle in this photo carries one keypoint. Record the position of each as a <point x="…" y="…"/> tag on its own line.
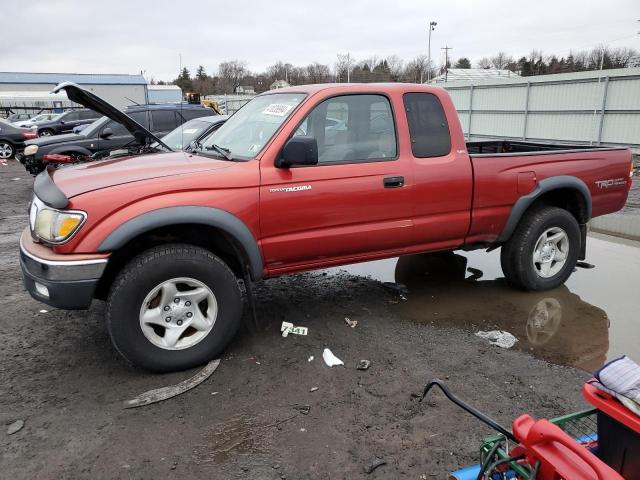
<point x="393" y="182"/>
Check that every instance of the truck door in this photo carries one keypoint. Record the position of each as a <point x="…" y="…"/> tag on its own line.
<point x="69" y="121"/>
<point x="443" y="179"/>
<point x="354" y="203"/>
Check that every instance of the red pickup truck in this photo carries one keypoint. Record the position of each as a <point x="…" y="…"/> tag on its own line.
<point x="301" y="178"/>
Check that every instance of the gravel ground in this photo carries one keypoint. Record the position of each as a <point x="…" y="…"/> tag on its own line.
<point x="61" y="377"/>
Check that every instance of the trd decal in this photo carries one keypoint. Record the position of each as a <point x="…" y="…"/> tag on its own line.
<point x="611" y="182"/>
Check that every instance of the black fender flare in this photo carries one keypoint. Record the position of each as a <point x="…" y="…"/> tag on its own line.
<point x="544" y="186"/>
<point x="162" y="217"/>
<point x="70" y="149"/>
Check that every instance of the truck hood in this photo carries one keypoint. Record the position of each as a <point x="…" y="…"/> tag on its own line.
<point x="87" y="177"/>
<point x="87" y="99"/>
<point x="55" y="139"/>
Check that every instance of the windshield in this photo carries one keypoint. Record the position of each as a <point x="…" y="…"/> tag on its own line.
<point x="251" y="127"/>
<point x="94" y="127"/>
<point x="182" y="136"/>
<point x="45" y="116"/>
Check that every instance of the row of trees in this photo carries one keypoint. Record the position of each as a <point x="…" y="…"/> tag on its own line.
<point x="536" y="63"/>
<point x="234" y="73"/>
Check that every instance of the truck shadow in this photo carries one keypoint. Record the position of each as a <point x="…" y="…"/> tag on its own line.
<point x="556" y="325"/>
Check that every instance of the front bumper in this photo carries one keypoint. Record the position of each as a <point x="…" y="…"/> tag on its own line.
<point x="57" y="281"/>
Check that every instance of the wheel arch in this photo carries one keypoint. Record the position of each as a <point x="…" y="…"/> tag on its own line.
<point x="70" y="149"/>
<point x="217" y="230"/>
<point x="567" y="192"/>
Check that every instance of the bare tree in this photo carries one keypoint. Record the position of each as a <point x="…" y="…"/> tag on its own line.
<point x="501" y="60"/>
<point x="231" y="73"/>
<point x="395" y="64"/>
<point x="343" y="66"/>
<point x="416" y="69"/>
<point x="318" y="73"/>
<point x="484" y="62"/>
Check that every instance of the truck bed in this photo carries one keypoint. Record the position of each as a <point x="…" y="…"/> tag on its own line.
<point x="504" y="171"/>
<point x="492" y="147"/>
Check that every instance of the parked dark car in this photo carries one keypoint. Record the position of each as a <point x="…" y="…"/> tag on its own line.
<point x="108" y="134"/>
<point x="194" y="130"/>
<point x="18" y="117"/>
<point x="66" y="122"/>
<point x="12" y="139"/>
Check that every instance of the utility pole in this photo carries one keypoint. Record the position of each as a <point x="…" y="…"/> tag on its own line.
<point x="446" y="61"/>
<point x="348" y="67"/>
<point x="432" y="27"/>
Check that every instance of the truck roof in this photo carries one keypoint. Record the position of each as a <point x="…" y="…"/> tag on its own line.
<point x="360" y="87"/>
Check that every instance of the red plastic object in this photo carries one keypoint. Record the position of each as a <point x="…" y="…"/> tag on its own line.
<point x="611" y="406"/>
<point x="57" y="158"/>
<point x="29" y="135"/>
<point x="560" y="456"/>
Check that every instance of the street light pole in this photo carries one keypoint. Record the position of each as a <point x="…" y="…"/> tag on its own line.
<point x="432" y="27"/>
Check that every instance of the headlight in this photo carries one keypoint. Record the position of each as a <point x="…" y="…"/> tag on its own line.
<point x="31" y="149"/>
<point x="54" y="226"/>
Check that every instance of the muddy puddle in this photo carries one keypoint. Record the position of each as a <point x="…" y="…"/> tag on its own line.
<point x="594" y="317"/>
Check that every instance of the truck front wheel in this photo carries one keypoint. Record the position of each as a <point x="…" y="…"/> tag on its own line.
<point x="543" y="251"/>
<point x="173" y="307"/>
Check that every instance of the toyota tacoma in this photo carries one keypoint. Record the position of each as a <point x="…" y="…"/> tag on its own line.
<point x="300" y="178"/>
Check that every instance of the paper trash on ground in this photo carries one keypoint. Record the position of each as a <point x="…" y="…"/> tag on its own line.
<point x="330" y="359"/>
<point x="351" y="323"/>
<point x="499" y="338"/>
<point x="286" y="328"/>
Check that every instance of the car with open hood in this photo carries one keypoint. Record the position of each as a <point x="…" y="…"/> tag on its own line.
<point x="134" y="129"/>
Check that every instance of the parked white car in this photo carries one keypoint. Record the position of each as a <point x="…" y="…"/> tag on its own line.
<point x="33" y="122"/>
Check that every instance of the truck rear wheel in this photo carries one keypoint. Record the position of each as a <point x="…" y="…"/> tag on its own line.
<point x="543" y="251"/>
<point x="173" y="307"/>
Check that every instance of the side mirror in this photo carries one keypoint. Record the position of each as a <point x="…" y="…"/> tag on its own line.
<point x="300" y="150"/>
<point x="106" y="133"/>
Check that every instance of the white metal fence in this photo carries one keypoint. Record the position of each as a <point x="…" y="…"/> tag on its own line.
<point x="230" y="104"/>
<point x="594" y="108"/>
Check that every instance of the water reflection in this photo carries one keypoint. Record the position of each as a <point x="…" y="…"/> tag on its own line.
<point x="554" y="325"/>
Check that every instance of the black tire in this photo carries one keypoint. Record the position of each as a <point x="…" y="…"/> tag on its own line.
<point x="46" y="132"/>
<point x="7" y="150"/>
<point x="33" y="166"/>
<point x="516" y="256"/>
<point x="146" y="271"/>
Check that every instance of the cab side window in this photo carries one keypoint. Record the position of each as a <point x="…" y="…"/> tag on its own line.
<point x="428" y="125"/>
<point x="164" y="120"/>
<point x="119" y="130"/>
<point x="88" y="115"/>
<point x="352" y="129"/>
<point x="71" y="117"/>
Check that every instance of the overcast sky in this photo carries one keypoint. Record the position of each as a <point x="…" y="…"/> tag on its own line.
<point x="118" y="36"/>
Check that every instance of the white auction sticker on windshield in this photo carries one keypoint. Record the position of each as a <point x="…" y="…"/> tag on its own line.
<point x="277" y="109"/>
<point x="190" y="130"/>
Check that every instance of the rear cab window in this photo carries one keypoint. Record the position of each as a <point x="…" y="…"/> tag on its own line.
<point x="428" y="126"/>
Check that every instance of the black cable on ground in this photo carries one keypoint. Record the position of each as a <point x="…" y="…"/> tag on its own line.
<point x="468" y="408"/>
